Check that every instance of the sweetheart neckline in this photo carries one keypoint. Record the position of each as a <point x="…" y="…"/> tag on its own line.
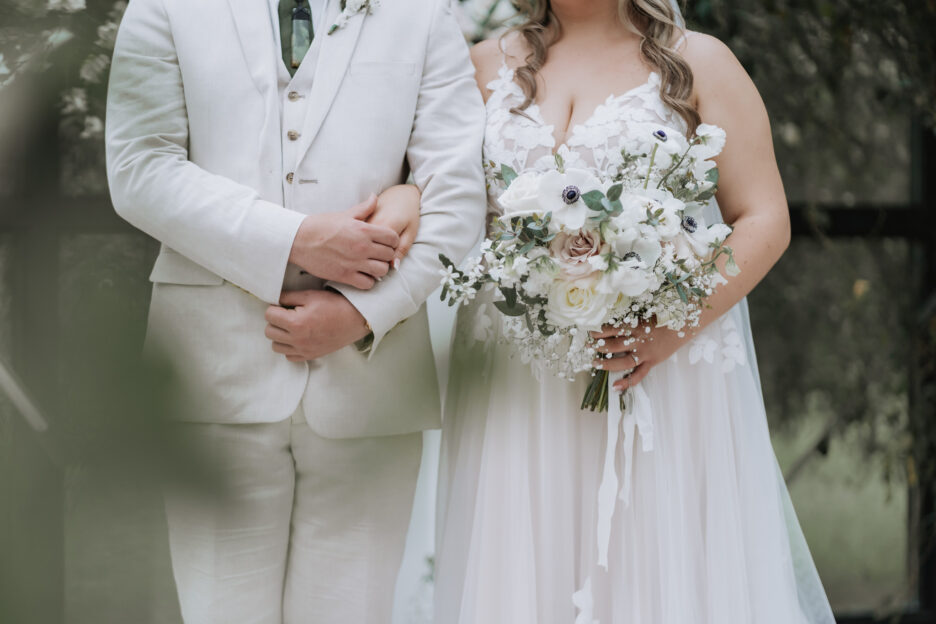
<point x="557" y="146"/>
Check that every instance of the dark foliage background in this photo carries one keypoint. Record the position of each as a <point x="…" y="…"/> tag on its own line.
<point x="848" y="84"/>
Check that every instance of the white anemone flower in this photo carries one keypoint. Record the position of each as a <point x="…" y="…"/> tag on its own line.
<point x="561" y="194"/>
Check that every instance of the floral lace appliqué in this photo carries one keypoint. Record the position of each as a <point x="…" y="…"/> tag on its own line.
<point x="526" y="142"/>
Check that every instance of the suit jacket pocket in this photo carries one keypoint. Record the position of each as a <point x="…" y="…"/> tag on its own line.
<point x="173" y="268"/>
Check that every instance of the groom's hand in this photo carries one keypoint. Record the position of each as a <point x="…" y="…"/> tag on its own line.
<point x="342" y="247"/>
<point x="309" y="324"/>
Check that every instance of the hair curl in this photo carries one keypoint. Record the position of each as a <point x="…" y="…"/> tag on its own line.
<point x="653" y="20"/>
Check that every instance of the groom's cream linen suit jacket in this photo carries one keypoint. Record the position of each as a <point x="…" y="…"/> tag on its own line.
<point x="203" y="155"/>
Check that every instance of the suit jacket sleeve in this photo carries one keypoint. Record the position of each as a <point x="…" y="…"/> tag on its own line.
<point x="216" y="222"/>
<point x="444" y="155"/>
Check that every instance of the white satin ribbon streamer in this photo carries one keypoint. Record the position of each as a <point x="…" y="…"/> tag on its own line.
<point x="636" y="417"/>
<point x="585" y="603"/>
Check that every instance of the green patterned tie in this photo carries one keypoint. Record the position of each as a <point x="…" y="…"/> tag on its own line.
<point x="296" y="32"/>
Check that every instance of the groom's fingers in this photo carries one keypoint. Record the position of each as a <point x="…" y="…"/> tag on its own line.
<point x="278" y="317"/>
<point x="277" y="334"/>
<point x="285" y="349"/>
<point x="382" y="235"/>
<point x="292" y="298"/>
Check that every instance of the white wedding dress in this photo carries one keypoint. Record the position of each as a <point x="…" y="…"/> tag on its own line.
<point x="708" y="535"/>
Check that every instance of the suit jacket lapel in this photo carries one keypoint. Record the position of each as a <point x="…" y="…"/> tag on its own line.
<point x="332" y="64"/>
<point x="252" y="19"/>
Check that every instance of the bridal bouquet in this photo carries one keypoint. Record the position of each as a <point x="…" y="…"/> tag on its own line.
<point x="573" y="252"/>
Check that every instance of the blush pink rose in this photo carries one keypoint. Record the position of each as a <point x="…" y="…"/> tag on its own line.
<point x="573" y="250"/>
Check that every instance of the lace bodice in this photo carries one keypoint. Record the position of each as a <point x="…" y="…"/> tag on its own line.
<point x="528" y="143"/>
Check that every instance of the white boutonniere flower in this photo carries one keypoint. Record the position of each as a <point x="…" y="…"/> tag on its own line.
<point x="350" y="8"/>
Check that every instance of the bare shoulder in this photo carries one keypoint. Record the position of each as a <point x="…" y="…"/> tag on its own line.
<point x="709" y="58"/>
<point x="486" y="57"/>
<point x="717" y="72"/>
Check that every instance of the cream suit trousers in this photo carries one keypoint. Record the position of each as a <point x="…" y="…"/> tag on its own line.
<point x="306" y="530"/>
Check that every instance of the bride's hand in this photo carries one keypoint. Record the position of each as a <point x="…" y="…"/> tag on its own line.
<point x="398" y="209"/>
<point x="638" y="350"/>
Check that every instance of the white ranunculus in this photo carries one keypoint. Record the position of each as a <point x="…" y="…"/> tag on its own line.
<point x="633" y="211"/>
<point x="552" y="186"/>
<point x="522" y="196"/>
<point x="628" y="278"/>
<point x="578" y="303"/>
<point x="670" y="220"/>
<point x="712" y="141"/>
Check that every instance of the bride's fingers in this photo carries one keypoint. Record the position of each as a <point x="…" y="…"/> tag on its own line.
<point x="633" y="379"/>
<point x="609" y="331"/>
<point x="617" y="364"/>
<point x="616" y="345"/>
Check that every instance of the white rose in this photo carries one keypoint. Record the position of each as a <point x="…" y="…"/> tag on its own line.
<point x="578" y="303"/>
<point x="522" y="196"/>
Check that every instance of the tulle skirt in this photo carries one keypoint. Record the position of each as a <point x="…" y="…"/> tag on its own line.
<point x="707" y="536"/>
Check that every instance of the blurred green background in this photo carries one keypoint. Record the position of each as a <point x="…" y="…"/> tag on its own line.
<point x="844" y="326"/>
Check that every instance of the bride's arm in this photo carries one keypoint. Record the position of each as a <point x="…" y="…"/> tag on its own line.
<point x="750" y="194"/>
<point x="398" y="209"/>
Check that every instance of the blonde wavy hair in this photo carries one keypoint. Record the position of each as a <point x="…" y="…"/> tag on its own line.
<point x="654" y="21"/>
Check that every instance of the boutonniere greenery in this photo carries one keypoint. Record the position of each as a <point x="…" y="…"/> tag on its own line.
<point x="350" y="8"/>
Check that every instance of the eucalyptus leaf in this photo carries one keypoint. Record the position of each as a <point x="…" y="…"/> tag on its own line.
<point x="508" y="174"/>
<point x="516" y="310"/>
<point x="510" y="294"/>
<point x="682" y="293"/>
<point x="594" y="199"/>
<point x="527" y="247"/>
